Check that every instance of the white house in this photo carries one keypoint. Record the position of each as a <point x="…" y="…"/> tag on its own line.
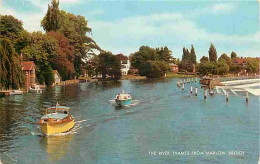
<point x="125" y="66"/>
<point x="57" y="77"/>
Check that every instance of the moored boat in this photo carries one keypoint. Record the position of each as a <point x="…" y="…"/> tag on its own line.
<point x="123" y="99"/>
<point x="16" y="92"/>
<point x="35" y="89"/>
<point x="57" y="119"/>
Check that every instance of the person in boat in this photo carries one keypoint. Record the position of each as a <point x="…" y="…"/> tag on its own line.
<point x="57" y="104"/>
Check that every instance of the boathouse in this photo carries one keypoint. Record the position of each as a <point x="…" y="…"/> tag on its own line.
<point x="28" y="68"/>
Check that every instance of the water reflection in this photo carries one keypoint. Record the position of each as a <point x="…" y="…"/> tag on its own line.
<point x="56" y="146"/>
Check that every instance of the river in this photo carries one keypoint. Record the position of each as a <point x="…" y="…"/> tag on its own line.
<point x="164" y="125"/>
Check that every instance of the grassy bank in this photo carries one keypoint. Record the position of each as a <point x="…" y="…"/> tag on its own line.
<point x="175" y="75"/>
<point x="132" y="77"/>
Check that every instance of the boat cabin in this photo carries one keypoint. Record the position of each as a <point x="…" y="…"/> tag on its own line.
<point x="58" y="109"/>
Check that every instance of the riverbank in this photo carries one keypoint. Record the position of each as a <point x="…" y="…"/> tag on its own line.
<point x="175" y="75"/>
<point x="132" y="77"/>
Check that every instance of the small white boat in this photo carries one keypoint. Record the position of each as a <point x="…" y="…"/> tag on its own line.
<point x="123" y="99"/>
<point x="35" y="89"/>
<point x="16" y="92"/>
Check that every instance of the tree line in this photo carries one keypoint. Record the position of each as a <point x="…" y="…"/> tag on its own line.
<point x="66" y="46"/>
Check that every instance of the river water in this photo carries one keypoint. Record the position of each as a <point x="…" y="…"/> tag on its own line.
<point x="164" y="125"/>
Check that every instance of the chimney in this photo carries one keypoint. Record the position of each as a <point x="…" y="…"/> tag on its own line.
<point x="21" y="57"/>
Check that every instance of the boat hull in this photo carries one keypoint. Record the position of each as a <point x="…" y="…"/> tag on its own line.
<point x="50" y="129"/>
<point x="35" y="91"/>
<point x="124" y="102"/>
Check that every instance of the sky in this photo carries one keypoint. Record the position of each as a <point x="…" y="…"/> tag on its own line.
<point x="122" y="26"/>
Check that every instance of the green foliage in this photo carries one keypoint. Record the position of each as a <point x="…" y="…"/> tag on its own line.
<point x="223" y="67"/>
<point x="12" y="29"/>
<point x="226" y="59"/>
<point x="73" y="27"/>
<point x="252" y="64"/>
<point x="212" y="53"/>
<point x="48" y="76"/>
<point x="51" y="21"/>
<point x="109" y="65"/>
<point x="193" y="56"/>
<point x="233" y="55"/>
<point x="150" y="62"/>
<point x="188" y="59"/>
<point x="142" y="56"/>
<point x="208" y="68"/>
<point x="164" y="54"/>
<point x="204" y="59"/>
<point x="41" y="49"/>
<point x="10" y="68"/>
<point x="154" y="69"/>
<point x="41" y="79"/>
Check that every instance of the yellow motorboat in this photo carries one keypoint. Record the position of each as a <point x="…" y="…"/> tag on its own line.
<point x="57" y="119"/>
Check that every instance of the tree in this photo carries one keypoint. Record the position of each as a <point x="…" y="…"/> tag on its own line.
<point x="142" y="56"/>
<point x="186" y="63"/>
<point x="212" y="53"/>
<point x="48" y="76"/>
<point x="63" y="61"/>
<point x="41" y="49"/>
<point x="252" y="64"/>
<point x="10" y="67"/>
<point x="109" y="65"/>
<point x="193" y="57"/>
<point x="204" y="59"/>
<point x="12" y="29"/>
<point x="154" y="69"/>
<point x="164" y="54"/>
<point x="73" y="27"/>
<point x="233" y="55"/>
<point x="225" y="58"/>
<point x="51" y="21"/>
<point x="223" y="67"/>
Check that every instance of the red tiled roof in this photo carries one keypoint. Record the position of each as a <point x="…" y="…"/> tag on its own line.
<point x="27" y="65"/>
<point x="240" y="60"/>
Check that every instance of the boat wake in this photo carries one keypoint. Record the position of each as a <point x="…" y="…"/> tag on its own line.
<point x="134" y="103"/>
<point x="78" y="125"/>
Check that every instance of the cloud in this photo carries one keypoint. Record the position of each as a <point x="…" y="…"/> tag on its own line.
<point x="96" y="12"/>
<point x="222" y="8"/>
<point x="172" y="29"/>
<point x="31" y="22"/>
<point x="69" y="1"/>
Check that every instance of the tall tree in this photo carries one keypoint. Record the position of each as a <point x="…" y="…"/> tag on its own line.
<point x="63" y="61"/>
<point x="212" y="53"/>
<point x="186" y="62"/>
<point x="51" y="21"/>
<point x="10" y="67"/>
<point x="233" y="55"/>
<point x="193" y="55"/>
